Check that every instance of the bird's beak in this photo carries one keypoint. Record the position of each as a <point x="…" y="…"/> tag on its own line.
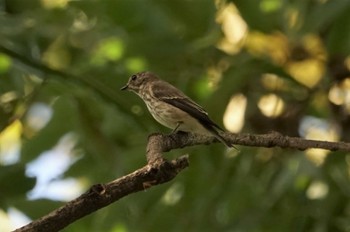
<point x="125" y="87"/>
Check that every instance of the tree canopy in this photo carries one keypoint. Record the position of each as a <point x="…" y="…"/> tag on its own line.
<point x="255" y="66"/>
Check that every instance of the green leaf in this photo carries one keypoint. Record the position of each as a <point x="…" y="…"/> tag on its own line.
<point x="338" y="39"/>
<point x="14" y="182"/>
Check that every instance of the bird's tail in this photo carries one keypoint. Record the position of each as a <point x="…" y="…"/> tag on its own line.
<point x="219" y="137"/>
<point x="224" y="141"/>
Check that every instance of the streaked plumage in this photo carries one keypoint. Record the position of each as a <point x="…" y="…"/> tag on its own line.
<point x="171" y="107"/>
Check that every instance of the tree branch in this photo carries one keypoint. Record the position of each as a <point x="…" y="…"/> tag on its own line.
<point x="159" y="171"/>
<point x="276" y="139"/>
<point x="273" y="139"/>
<point x="101" y="195"/>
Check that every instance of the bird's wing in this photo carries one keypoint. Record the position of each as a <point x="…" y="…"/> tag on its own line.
<point x="169" y="94"/>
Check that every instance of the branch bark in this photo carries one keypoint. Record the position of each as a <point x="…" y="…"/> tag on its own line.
<point x="102" y="195"/>
<point x="158" y="171"/>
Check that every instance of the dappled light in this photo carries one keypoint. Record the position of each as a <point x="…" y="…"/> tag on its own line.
<point x="48" y="169"/>
<point x="50" y="4"/>
<point x="234" y="113"/>
<point x="307" y="72"/>
<point x="57" y="55"/>
<point x="10" y="143"/>
<point x="273" y="82"/>
<point x="81" y="23"/>
<point x="271" y="105"/>
<point x="5" y="63"/>
<point x="233" y="27"/>
<point x="12" y="217"/>
<point x="38" y="116"/>
<point x="173" y="195"/>
<point x="339" y="94"/>
<point x="347" y="62"/>
<point x="272" y="74"/>
<point x="110" y="49"/>
<point x="315" y="128"/>
<point x="274" y="46"/>
<point x="317" y="190"/>
<point x="305" y="62"/>
<point x="6" y="99"/>
<point x="270" y="5"/>
<point x="135" y="64"/>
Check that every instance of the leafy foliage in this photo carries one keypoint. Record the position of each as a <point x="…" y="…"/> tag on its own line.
<point x="73" y="56"/>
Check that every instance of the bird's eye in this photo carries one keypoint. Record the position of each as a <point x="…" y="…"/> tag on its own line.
<point x="133" y="77"/>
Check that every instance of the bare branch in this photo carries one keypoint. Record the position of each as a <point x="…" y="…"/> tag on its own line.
<point x="276" y="139"/>
<point x="159" y="171"/>
<point x="101" y="195"/>
<point x="273" y="139"/>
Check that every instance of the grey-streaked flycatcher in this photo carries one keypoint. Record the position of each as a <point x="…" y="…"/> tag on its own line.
<point x="171" y="107"/>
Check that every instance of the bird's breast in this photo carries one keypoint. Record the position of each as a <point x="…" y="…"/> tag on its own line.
<point x="172" y="117"/>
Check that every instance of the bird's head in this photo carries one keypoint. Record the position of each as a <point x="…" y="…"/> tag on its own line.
<point x="138" y="81"/>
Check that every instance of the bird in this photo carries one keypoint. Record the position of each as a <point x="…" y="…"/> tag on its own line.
<point x="171" y="107"/>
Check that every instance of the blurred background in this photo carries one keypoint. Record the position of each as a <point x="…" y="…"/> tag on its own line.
<point x="255" y="65"/>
